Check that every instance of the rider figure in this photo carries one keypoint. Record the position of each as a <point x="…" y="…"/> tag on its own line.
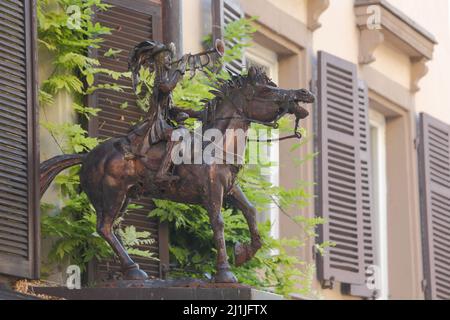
<point x="157" y="126"/>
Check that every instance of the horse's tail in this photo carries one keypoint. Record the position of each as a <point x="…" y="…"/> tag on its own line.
<point x="52" y="167"/>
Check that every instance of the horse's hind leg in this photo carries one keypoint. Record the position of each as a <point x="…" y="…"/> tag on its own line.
<point x="113" y="202"/>
<point x="244" y="252"/>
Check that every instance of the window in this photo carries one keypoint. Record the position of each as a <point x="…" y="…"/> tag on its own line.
<point x="379" y="194"/>
<point x="266" y="59"/>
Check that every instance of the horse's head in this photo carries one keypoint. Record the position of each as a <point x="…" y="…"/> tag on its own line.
<point x="266" y="103"/>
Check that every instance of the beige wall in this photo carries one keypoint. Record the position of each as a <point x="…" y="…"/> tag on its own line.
<point x="60" y="112"/>
<point x="295" y="8"/>
<point x="193" y="25"/>
<point x="393" y="63"/>
<point x="338" y="34"/>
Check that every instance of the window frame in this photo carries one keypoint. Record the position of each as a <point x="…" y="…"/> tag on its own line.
<point x="377" y="122"/>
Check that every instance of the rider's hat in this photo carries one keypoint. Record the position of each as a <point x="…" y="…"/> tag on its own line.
<point x="145" y="53"/>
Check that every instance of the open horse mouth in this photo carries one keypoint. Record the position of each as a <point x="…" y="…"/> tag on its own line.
<point x="299" y="97"/>
<point x="299" y="111"/>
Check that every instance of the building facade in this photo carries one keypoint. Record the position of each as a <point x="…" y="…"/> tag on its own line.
<point x="380" y="129"/>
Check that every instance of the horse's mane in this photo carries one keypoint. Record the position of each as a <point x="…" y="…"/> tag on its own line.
<point x="225" y="87"/>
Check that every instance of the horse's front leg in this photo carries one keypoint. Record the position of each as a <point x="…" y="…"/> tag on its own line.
<point x="245" y="252"/>
<point x="214" y="206"/>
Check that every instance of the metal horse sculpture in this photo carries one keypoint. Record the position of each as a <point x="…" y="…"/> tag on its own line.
<point x="110" y="179"/>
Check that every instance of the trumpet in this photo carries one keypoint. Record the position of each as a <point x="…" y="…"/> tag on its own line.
<point x="197" y="61"/>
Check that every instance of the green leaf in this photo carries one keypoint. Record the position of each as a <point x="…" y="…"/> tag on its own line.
<point x="111" y="53"/>
<point x="90" y="79"/>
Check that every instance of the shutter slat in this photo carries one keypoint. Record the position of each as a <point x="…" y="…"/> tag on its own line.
<point x="20" y="239"/>
<point x="13" y="102"/>
<point x="21" y="228"/>
<point x="340" y="195"/>
<point x="434" y="159"/>
<point x="13" y="141"/>
<point x="14" y="202"/>
<point x="11" y="29"/>
<point x="12" y="150"/>
<point x="12" y="177"/>
<point x="10" y="74"/>
<point x="10" y="5"/>
<point x="126" y="33"/>
<point x="12" y="68"/>
<point x="19" y="3"/>
<point x="14" y="118"/>
<point x="13" y="191"/>
<point x="11" y="57"/>
<point x="111" y="110"/>
<point x="13" y="214"/>
<point x="12" y="42"/>
<point x="20" y="161"/>
<point x="12" y="20"/>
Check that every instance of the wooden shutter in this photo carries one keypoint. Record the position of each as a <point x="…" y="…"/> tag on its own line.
<point x="19" y="157"/>
<point x="339" y="185"/>
<point x="131" y="22"/>
<point x="434" y="159"/>
<point x="367" y="210"/>
<point x="224" y="12"/>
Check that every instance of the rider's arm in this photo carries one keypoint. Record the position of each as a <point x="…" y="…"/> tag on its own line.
<point x="175" y="76"/>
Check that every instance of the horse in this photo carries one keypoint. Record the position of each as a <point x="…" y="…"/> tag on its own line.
<point x="110" y="179"/>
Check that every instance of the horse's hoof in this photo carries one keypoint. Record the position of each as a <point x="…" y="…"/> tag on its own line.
<point x="134" y="273"/>
<point x="241" y="255"/>
<point x="225" y="276"/>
